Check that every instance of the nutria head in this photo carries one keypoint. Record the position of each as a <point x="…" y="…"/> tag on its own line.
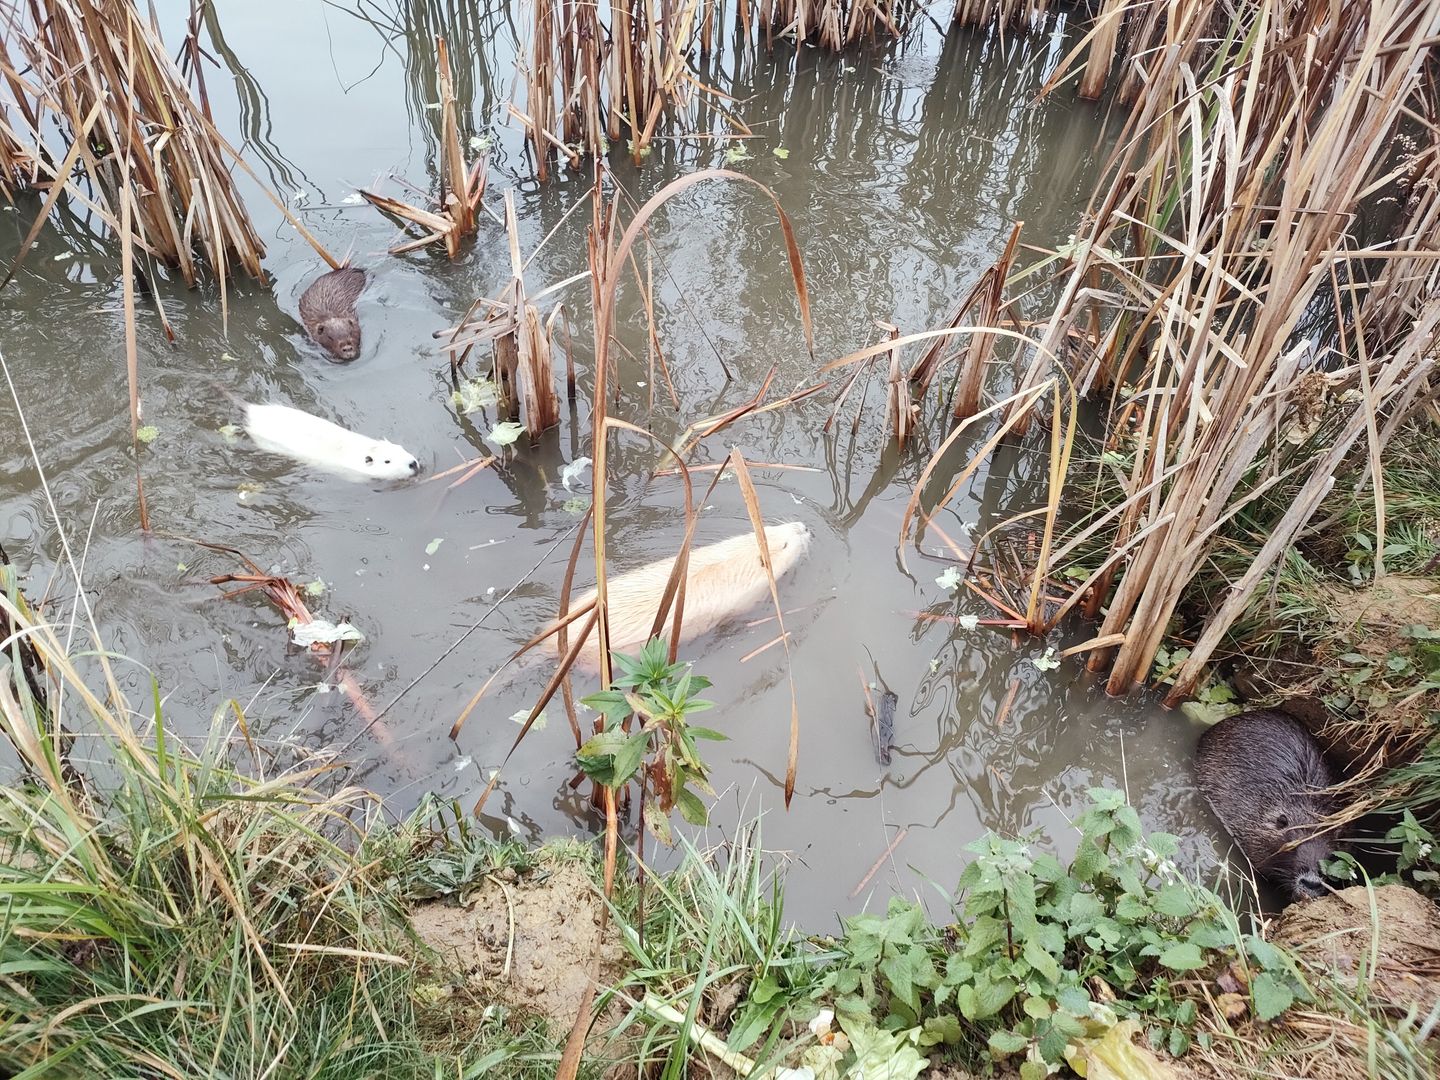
<point x="1265" y="777"/>
<point x="1295" y="867"/>
<point x="788" y="544"/>
<point x="388" y="461"/>
<point x="339" y="335"/>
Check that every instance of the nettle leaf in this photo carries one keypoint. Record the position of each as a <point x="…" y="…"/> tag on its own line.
<point x="992" y="996"/>
<point x="1004" y="1043"/>
<point x="958" y="969"/>
<point x="907" y="972"/>
<point x="1265" y="954"/>
<point x="1074" y="1000"/>
<point x="1175" y="901"/>
<point x="1037" y="1007"/>
<point x="1085" y="908"/>
<point x="1047" y="868"/>
<point x="1131" y="909"/>
<point x="941" y="1029"/>
<point x="1164" y="844"/>
<point x="1270" y="996"/>
<point x="1209" y="935"/>
<point x="1044" y="964"/>
<point x="985" y="932"/>
<point x="1052" y="1044"/>
<point x="1183" y="957"/>
<point x="1089" y="861"/>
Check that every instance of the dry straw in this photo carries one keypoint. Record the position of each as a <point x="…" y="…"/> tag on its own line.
<point x="1227" y="215"/>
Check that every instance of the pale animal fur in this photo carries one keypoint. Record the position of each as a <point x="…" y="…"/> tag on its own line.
<point x="722" y="580"/>
<point x="313" y="441"/>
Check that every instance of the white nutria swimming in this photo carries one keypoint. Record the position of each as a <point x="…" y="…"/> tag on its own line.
<point x="721" y="581"/>
<point x="313" y="441"/>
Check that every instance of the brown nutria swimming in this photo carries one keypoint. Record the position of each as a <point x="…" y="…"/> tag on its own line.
<point x="721" y="580"/>
<point x="1264" y="776"/>
<point x="327" y="308"/>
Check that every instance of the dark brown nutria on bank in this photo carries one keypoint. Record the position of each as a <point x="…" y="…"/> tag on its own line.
<point x="327" y="308"/>
<point x="1264" y="776"/>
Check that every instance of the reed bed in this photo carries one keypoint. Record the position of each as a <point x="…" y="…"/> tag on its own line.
<point x="104" y="113"/>
<point x="1224" y="242"/>
<point x="597" y="74"/>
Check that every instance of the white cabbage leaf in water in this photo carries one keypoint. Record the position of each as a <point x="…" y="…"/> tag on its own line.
<point x="322" y="632"/>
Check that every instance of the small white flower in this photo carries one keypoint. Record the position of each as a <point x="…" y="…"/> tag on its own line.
<point x="950" y="579"/>
<point x="821" y="1024"/>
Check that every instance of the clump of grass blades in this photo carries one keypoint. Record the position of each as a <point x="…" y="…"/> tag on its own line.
<point x="708" y="942"/>
<point x="175" y="917"/>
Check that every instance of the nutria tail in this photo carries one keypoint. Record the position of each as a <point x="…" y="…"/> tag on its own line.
<point x="327" y="308"/>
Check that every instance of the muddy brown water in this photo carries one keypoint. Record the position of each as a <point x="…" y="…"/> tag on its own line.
<point x="902" y="170"/>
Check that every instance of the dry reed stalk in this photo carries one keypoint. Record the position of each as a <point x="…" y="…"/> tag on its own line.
<point x="999" y="12"/>
<point x="17" y="165"/>
<point x="832" y="24"/>
<point x="983" y="303"/>
<point x="461" y="188"/>
<point x="589" y="82"/>
<point x="1237" y="202"/>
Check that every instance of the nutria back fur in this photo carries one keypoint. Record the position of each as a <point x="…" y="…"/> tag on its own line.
<point x="722" y="580"/>
<point x="327" y="308"/>
<point x="1264" y="776"/>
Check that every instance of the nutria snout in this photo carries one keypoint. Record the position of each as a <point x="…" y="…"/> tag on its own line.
<point x="327" y="308"/>
<point x="1265" y="777"/>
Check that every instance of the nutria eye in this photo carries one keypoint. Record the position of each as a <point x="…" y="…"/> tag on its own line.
<point x="1282" y="822"/>
<point x="369" y="460"/>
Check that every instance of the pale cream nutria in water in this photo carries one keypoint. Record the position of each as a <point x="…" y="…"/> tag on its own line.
<point x="309" y="439"/>
<point x="327" y="308"/>
<point x="1264" y="776"/>
<point x="721" y="580"/>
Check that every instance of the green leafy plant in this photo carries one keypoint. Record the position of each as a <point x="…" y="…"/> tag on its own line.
<point x="1411" y="669"/>
<point x="660" y="753"/>
<point x="1041" y="950"/>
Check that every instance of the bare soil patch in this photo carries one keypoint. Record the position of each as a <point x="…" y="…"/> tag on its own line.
<point x="524" y="941"/>
<point x="1396" y="945"/>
